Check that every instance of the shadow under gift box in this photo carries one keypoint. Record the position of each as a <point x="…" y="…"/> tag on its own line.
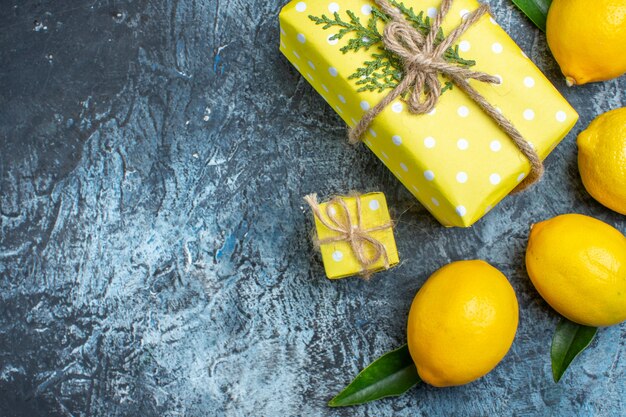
<point x="455" y="160"/>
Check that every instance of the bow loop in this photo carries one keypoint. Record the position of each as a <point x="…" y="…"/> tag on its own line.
<point x="402" y="40"/>
<point x="340" y="224"/>
<point x="423" y="98"/>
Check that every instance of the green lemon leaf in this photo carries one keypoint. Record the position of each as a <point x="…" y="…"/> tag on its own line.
<point x="569" y="340"/>
<point x="390" y="375"/>
<point x="536" y="10"/>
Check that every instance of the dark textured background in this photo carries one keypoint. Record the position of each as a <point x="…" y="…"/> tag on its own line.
<point x="154" y="254"/>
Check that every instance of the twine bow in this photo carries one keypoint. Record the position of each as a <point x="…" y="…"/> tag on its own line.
<point x="422" y="59"/>
<point x="350" y="230"/>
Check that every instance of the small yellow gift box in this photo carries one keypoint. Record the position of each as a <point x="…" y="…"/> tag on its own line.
<point x="455" y="160"/>
<point x="354" y="234"/>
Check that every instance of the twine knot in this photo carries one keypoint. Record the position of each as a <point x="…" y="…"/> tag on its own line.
<point x="423" y="60"/>
<point x="349" y="229"/>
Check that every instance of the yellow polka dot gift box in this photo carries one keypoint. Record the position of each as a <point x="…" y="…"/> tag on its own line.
<point x="354" y="234"/>
<point x="455" y="159"/>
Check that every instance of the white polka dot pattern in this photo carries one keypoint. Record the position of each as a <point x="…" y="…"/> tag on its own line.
<point x="454" y="156"/>
<point x="397" y="107"/>
<point x="529" y="82"/>
<point x="529" y="114"/>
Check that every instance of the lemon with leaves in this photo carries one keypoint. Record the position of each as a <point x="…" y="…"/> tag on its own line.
<point x="578" y="265"/>
<point x="602" y="159"/>
<point x="462" y="323"/>
<point x="588" y="38"/>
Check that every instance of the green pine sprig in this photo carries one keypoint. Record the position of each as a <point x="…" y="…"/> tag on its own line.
<point x="384" y="70"/>
<point x="365" y="36"/>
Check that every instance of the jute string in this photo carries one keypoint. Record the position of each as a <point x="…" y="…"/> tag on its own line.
<point x="423" y="60"/>
<point x="350" y="230"/>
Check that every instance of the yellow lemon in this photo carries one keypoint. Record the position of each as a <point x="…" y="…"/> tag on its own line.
<point x="602" y="158"/>
<point x="578" y="265"/>
<point x="462" y="323"/>
<point x="588" y="38"/>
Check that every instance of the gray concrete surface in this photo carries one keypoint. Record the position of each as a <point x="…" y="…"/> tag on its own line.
<point x="154" y="252"/>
